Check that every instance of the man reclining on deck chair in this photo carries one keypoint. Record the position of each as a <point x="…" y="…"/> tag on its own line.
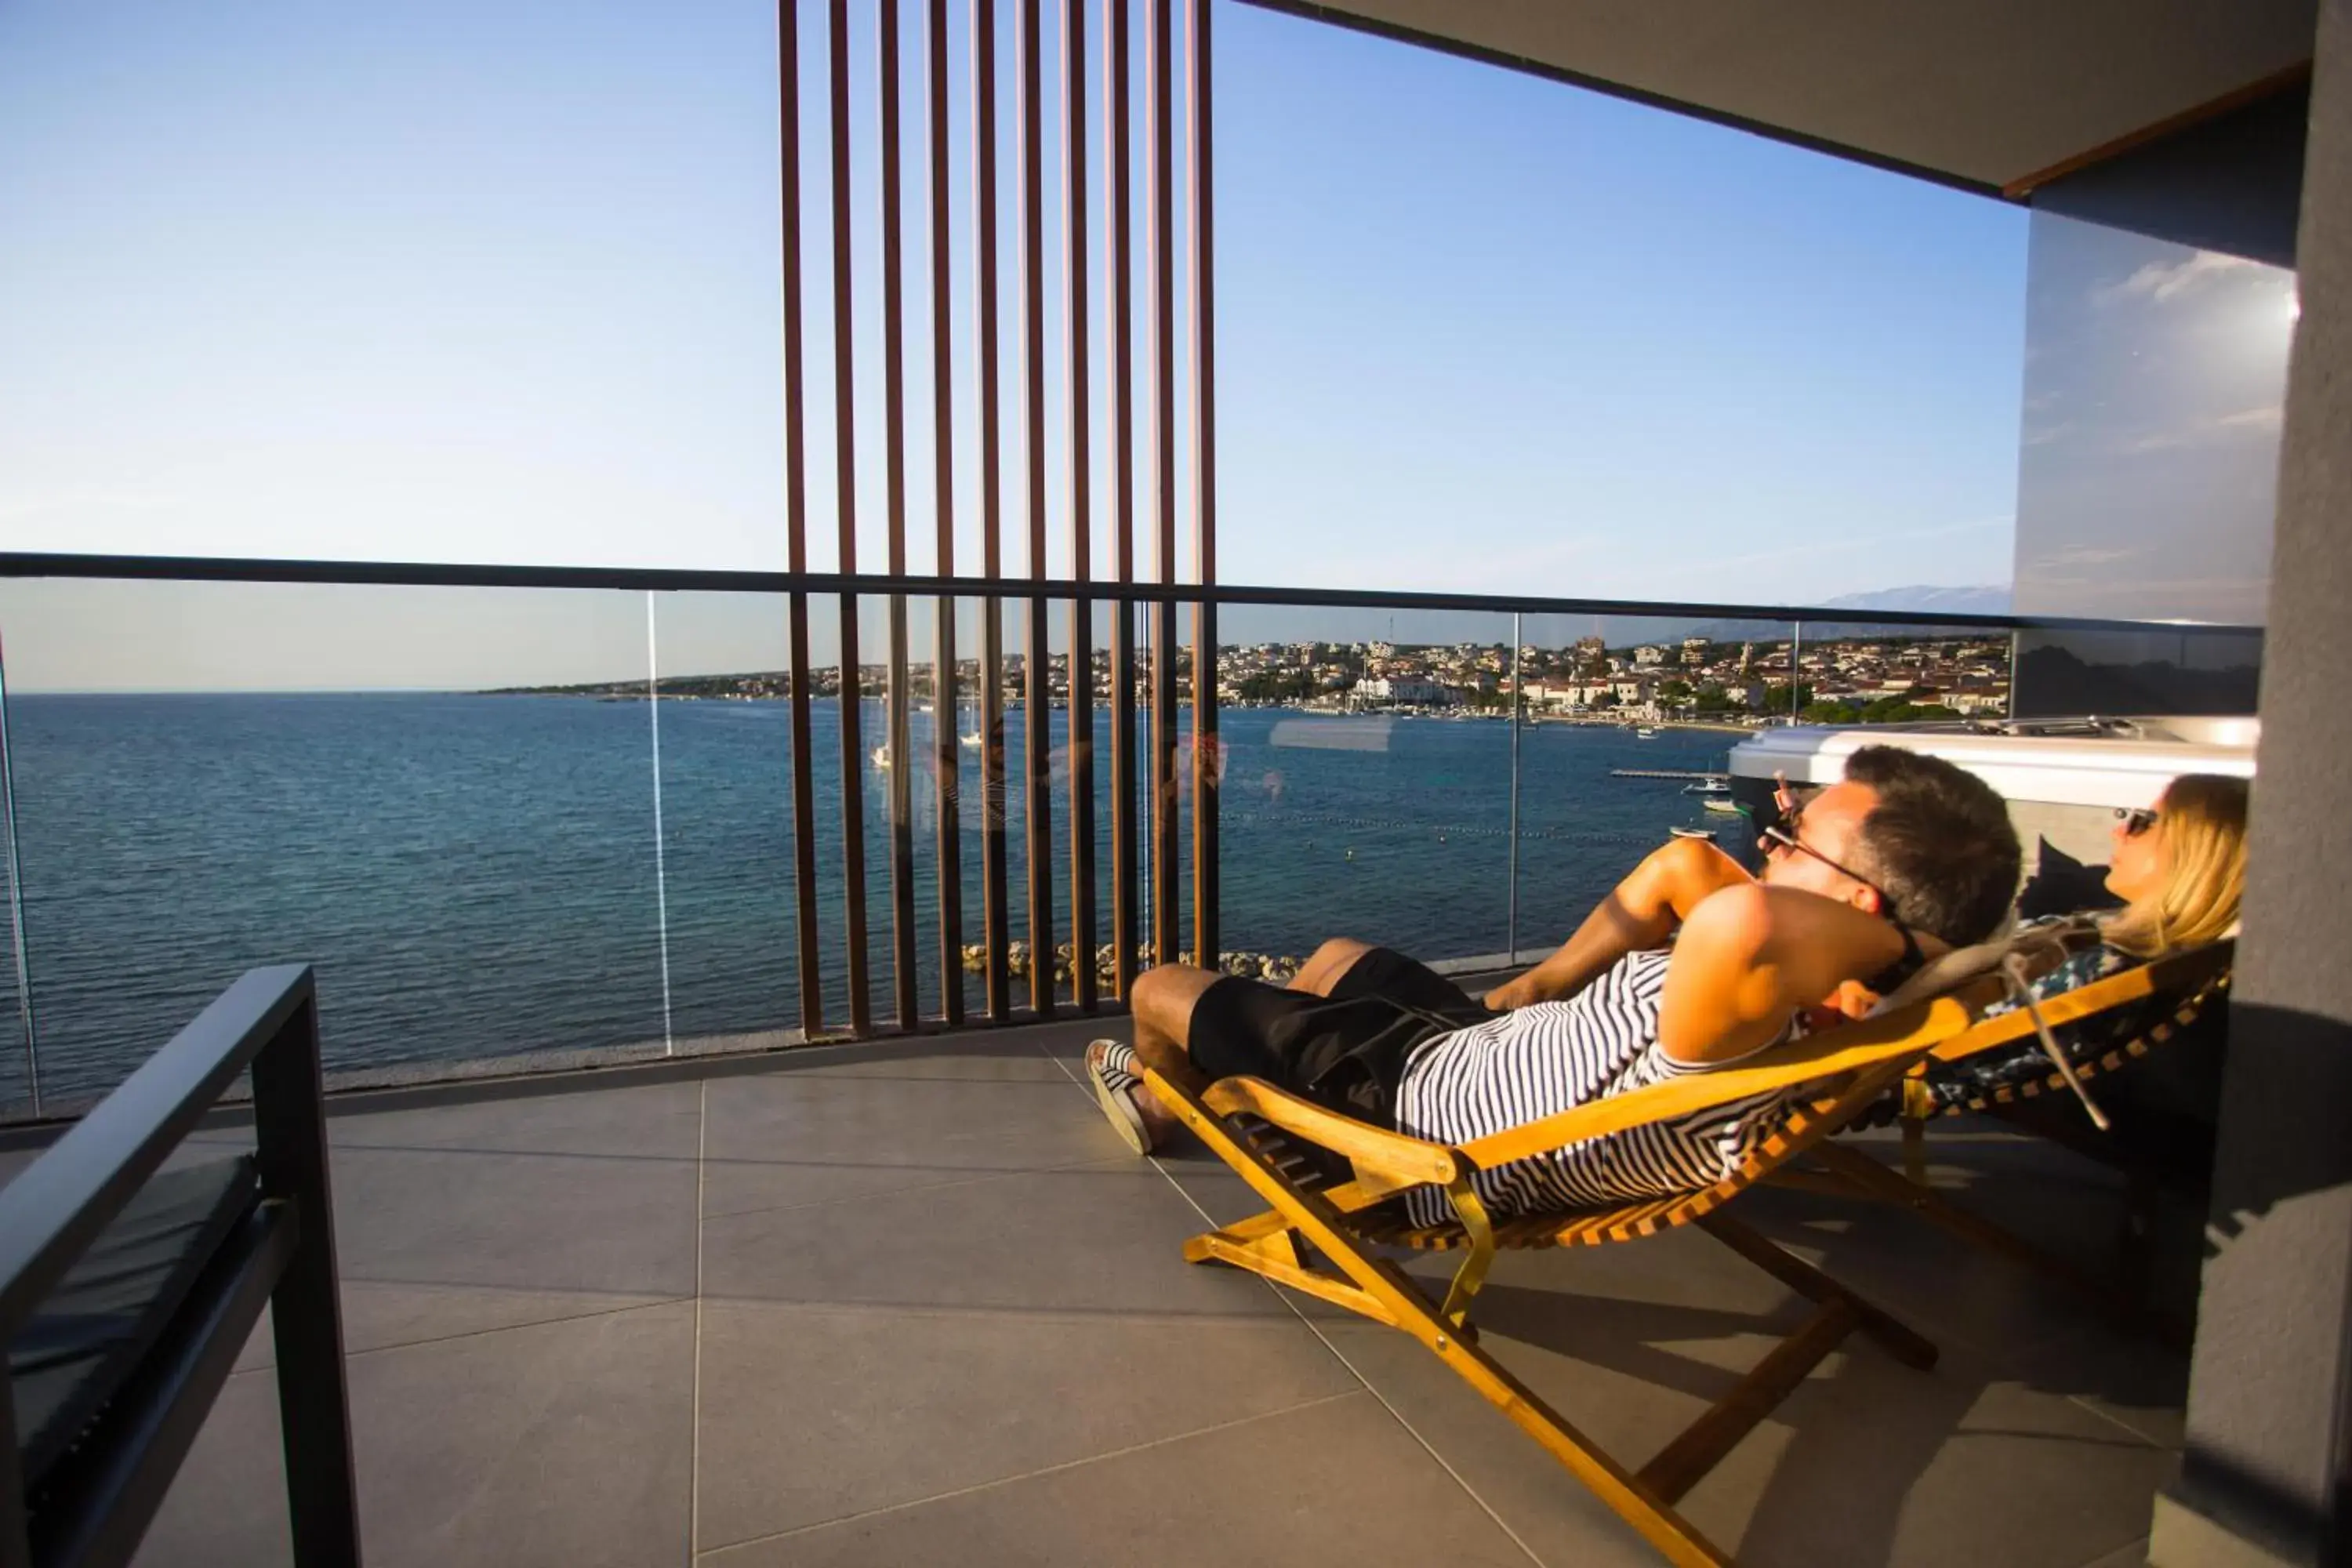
<point x="1905" y="858"/>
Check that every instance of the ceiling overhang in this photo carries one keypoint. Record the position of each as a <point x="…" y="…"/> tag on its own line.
<point x="1988" y="95"/>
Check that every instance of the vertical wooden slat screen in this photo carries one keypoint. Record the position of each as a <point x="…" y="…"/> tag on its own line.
<point x="1037" y="704"/>
<point x="804" y="905"/>
<point x="1076" y="391"/>
<point x="1208" y="758"/>
<point x="946" y="727"/>
<point x="996" y="926"/>
<point x="898" y="779"/>
<point x="1160" y="264"/>
<point x="1120" y="410"/>
<point x="845" y="423"/>
<point x="1134" y="876"/>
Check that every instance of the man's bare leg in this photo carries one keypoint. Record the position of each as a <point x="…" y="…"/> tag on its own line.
<point x="1324" y="967"/>
<point x="1159" y="1005"/>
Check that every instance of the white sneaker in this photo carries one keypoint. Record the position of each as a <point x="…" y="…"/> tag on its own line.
<point x="1110" y="1071"/>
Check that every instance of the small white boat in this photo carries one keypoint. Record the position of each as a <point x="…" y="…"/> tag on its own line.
<point x="1709" y="787"/>
<point x="1722" y="803"/>
<point x="1646" y="733"/>
<point x="881" y="756"/>
<point x="971" y="739"/>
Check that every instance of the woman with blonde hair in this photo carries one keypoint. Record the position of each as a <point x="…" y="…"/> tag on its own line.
<point x="2180" y="869"/>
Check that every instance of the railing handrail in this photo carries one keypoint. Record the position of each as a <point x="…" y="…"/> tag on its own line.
<point x="55" y="1208"/>
<point x="250" y="569"/>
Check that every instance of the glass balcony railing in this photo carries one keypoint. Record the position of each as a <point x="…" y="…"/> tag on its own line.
<point x="564" y="821"/>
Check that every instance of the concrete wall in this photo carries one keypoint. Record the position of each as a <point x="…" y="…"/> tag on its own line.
<point x="2263" y="1480"/>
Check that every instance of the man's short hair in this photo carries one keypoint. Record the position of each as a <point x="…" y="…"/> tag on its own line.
<point x="1938" y="843"/>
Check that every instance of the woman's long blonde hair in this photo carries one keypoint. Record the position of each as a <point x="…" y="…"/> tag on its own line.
<point x="2204" y="828"/>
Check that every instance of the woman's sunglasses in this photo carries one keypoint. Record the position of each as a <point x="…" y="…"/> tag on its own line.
<point x="2135" y="822"/>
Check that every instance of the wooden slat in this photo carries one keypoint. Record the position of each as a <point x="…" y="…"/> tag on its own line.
<point x="1200" y="269"/>
<point x="1160" y="266"/>
<point x="1375" y="1150"/>
<point x="995" y="928"/>
<point x="1078" y="479"/>
<point x="996" y="923"/>
<point x="1683" y="1463"/>
<point x="900" y="780"/>
<point x="1119" y="408"/>
<point x="947" y="762"/>
<point x="845" y="424"/>
<point x="1833" y="1054"/>
<point x="804" y="904"/>
<point x="1037" y="700"/>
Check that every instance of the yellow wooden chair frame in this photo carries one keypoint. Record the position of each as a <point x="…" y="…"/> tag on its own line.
<point x="2194" y="982"/>
<point x="1841" y="1072"/>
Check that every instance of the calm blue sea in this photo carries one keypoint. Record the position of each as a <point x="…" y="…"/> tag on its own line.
<point x="477" y="876"/>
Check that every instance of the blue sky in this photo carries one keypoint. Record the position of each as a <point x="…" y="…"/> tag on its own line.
<point x="497" y="281"/>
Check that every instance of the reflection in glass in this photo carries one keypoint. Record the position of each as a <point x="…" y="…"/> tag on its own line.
<point x="2160" y="671"/>
<point x="2154" y="381"/>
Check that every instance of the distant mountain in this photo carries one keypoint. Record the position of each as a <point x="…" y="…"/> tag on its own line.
<point x="1988" y="599"/>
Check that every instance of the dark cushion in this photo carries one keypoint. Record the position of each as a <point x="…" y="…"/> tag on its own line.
<point x="2063" y="885"/>
<point x="116" y="1301"/>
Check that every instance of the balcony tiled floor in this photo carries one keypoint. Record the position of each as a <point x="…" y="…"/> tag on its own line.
<point x="916" y="1304"/>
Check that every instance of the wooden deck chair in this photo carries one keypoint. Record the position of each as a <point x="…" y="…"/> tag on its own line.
<point x="1250" y="1125"/>
<point x="2181" y="989"/>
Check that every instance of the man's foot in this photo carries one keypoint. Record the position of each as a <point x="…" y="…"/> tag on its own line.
<point x="1118" y="1090"/>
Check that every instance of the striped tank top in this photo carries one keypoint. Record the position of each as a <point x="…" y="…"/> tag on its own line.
<point x="1539" y="1060"/>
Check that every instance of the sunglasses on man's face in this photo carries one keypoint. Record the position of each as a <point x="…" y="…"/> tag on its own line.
<point x="2135" y="823"/>
<point x="1782" y="836"/>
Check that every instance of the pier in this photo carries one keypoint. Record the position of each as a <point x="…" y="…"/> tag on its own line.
<point x="1664" y="774"/>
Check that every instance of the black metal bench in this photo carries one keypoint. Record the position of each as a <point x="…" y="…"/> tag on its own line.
<point x="126" y="1294"/>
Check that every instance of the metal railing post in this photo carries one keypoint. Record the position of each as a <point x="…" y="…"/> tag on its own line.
<point x="16" y="899"/>
<point x="1511" y="924"/>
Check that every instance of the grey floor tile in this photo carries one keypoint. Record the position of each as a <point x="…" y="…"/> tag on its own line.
<point x="1093" y="1238"/>
<point x="380" y="1316"/>
<point x="810" y="1414"/>
<point x="519" y="1222"/>
<point x="1868" y="1462"/>
<point x="1949" y="1290"/>
<point x="2125" y="1377"/>
<point x="2132" y="1556"/>
<point x="778" y="1140"/>
<point x="1338" y="1484"/>
<point x="656" y="1121"/>
<point x="565" y="1442"/>
<point x="1008" y="1054"/>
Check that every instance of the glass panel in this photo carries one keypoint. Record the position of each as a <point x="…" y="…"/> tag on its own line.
<point x="441" y="798"/>
<point x="2164" y="670"/>
<point x="1628" y="724"/>
<point x="2155" y="376"/>
<point x="1855" y="673"/>
<point x="726" y="805"/>
<point x="1368" y="782"/>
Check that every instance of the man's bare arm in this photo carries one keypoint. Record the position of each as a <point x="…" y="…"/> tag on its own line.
<point x="1751" y="957"/>
<point x="1657" y="896"/>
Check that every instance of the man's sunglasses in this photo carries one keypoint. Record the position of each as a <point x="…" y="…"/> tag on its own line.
<point x="2136" y="822"/>
<point x="1783" y="835"/>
